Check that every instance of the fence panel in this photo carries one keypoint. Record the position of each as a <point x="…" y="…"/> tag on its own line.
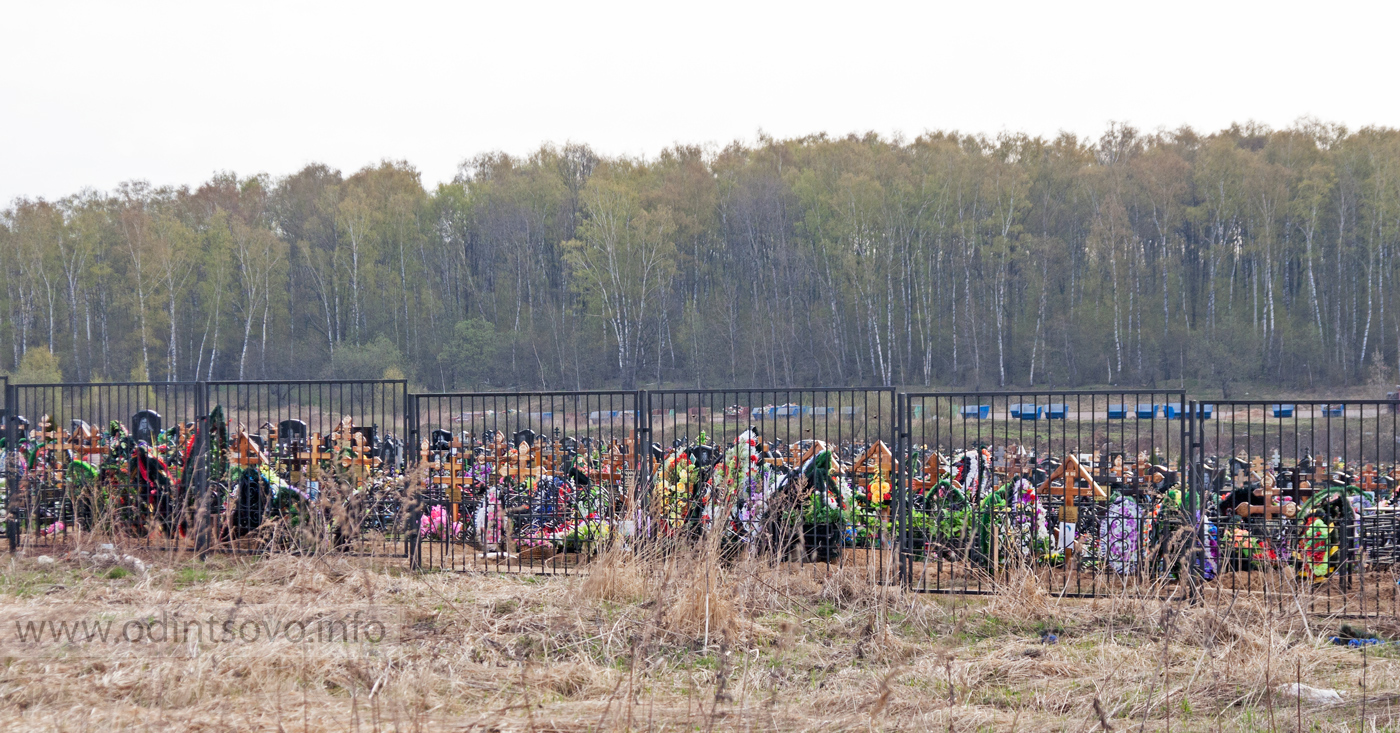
<point x="70" y="478"/>
<point x="1080" y="488"/>
<point x="342" y="443"/>
<point x="9" y="467"/>
<point x="1088" y="490"/>
<point x="790" y="474"/>
<point x="1300" y="501"/>
<point x="532" y="482"/>
<point x="113" y="455"/>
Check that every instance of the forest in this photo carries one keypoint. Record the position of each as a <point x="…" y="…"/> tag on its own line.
<point x="1245" y="255"/>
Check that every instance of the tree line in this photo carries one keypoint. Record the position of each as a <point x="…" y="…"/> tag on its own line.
<point x="1248" y="254"/>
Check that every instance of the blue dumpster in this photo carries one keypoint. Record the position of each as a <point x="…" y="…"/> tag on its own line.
<point x="1117" y="412"/>
<point x="1146" y="411"/>
<point x="1056" y="411"/>
<point x="1333" y="410"/>
<point x="1282" y="410"/>
<point x="1025" y="411"/>
<point x="981" y="412"/>
<point x="1173" y="410"/>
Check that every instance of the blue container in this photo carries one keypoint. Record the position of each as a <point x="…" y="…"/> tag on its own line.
<point x="981" y="412"/>
<point x="1205" y="412"/>
<point x="1282" y="410"/>
<point x="1026" y="411"/>
<point x="1117" y="412"/>
<point x="1173" y="410"/>
<point x="1056" y="411"/>
<point x="1146" y="411"/>
<point x="1333" y="410"/>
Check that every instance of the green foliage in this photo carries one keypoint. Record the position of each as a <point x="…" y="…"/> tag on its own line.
<point x="470" y="353"/>
<point x="370" y="361"/>
<point x="1244" y="255"/>
<point x="39" y="366"/>
<point x="818" y="512"/>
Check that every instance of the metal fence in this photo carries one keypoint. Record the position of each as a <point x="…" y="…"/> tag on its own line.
<point x="533" y="482"/>
<point x="1090" y="492"/>
<point x="75" y="432"/>
<point x="343" y="443"/>
<point x="316" y="454"/>
<point x="1080" y="488"/>
<point x="788" y="474"/>
<point x="1300" y="502"/>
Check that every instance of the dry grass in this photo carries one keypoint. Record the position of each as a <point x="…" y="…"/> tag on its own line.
<point x="674" y="641"/>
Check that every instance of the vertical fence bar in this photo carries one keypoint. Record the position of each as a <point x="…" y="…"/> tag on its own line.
<point x="1003" y="481"/>
<point x="11" y="467"/>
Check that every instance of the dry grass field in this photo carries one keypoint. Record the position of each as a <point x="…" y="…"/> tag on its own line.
<point x="330" y="643"/>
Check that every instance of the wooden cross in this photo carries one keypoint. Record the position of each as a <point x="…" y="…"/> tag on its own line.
<point x="816" y="446"/>
<point x="932" y="469"/>
<point x="933" y="466"/>
<point x="1270" y="509"/>
<point x="1116" y="469"/>
<point x="319" y="454"/>
<point x="244" y="452"/>
<point x="874" y="463"/>
<point x="614" y="463"/>
<point x="517" y="464"/>
<point x="45" y="430"/>
<point x="1016" y="464"/>
<point x="1072" y="472"/>
<point x="1369" y="480"/>
<point x="85" y="441"/>
<point x="359" y="462"/>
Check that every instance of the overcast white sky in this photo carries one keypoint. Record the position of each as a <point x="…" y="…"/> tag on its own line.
<point x="92" y="94"/>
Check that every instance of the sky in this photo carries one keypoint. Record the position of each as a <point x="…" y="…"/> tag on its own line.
<point x="93" y="94"/>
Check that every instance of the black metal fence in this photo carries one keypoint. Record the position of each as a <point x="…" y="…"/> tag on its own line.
<point x="1080" y="488"/>
<point x="1091" y="492"/>
<point x="532" y="481"/>
<point x="76" y="433"/>
<point x="311" y="455"/>
<point x="344" y="443"/>
<point x="1300" y="501"/>
<point x="788" y="474"/>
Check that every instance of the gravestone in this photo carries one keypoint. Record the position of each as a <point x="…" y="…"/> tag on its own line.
<point x="371" y="433"/>
<point x="146" y="426"/>
<point x="391" y="452"/>
<point x="291" y="431"/>
<point x="440" y="440"/>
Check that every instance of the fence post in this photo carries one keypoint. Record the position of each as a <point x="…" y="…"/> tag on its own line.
<point x="410" y="422"/>
<point x="11" y="463"/>
<point x="1192" y="492"/>
<point x="901" y="479"/>
<point x="196" y="474"/>
<point x="411" y="503"/>
<point x="411" y="513"/>
<point x="644" y="441"/>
